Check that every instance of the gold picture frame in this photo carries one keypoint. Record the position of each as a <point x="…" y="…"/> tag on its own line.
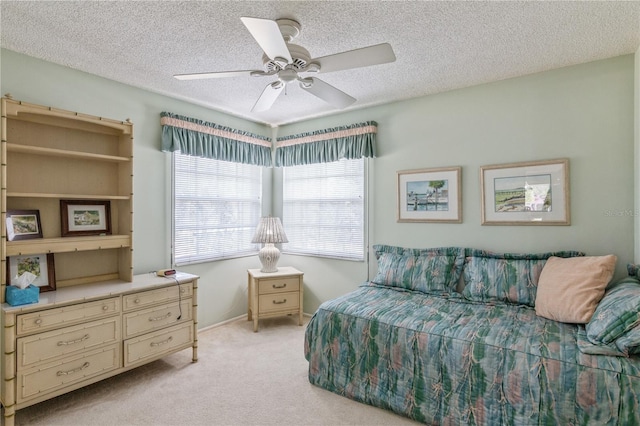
<point x="527" y="193"/>
<point x="430" y="195"/>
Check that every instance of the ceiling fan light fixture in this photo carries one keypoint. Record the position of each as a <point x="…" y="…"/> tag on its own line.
<point x="306" y="83"/>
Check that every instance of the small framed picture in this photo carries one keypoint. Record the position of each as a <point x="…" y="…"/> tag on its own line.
<point x="430" y="195"/>
<point x="85" y="217"/>
<point x="531" y="193"/>
<point x="23" y="225"/>
<point x="40" y="265"/>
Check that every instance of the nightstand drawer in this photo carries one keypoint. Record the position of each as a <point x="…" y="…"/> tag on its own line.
<point x="49" y="378"/>
<point x="68" y="315"/>
<point x="154" y="297"/>
<point x="278" y="302"/>
<point x="45" y="347"/>
<point x="278" y="285"/>
<point x="156" y="344"/>
<point x="154" y="318"/>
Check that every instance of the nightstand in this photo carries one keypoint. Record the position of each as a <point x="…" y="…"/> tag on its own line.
<point x="273" y="294"/>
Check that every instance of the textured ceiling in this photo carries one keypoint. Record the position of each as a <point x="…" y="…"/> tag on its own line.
<point x="439" y="46"/>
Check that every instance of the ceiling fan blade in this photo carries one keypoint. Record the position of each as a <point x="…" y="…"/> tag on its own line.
<point x="268" y="96"/>
<point x="326" y="92"/>
<point x="205" y="75"/>
<point x="268" y="35"/>
<point x="364" y="57"/>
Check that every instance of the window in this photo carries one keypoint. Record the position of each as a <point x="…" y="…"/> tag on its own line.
<point x="216" y="205"/>
<point x="323" y="209"/>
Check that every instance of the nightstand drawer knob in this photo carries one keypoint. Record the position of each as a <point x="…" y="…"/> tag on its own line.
<point x="38" y="321"/>
<point x="280" y="302"/>
<point x="280" y="286"/>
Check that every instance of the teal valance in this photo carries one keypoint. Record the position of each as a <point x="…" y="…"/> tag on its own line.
<point x="209" y="140"/>
<point x="325" y="146"/>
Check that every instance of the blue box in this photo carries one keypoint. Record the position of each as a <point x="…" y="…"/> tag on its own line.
<point x="16" y="296"/>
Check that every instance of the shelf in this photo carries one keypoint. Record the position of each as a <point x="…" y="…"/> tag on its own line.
<point x="68" y="244"/>
<point x="51" y="152"/>
<point x="67" y="196"/>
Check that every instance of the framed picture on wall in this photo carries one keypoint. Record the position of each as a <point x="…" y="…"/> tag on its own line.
<point x="40" y="265"/>
<point x="430" y="195"/>
<point x="23" y="225"/>
<point x="85" y="217"/>
<point x="530" y="193"/>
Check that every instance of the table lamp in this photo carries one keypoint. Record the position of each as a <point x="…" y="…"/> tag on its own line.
<point x="269" y="232"/>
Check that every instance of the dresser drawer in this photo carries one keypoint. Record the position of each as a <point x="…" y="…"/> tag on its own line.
<point x="68" y="315"/>
<point x="154" y="297"/>
<point x="146" y="320"/>
<point x="158" y="343"/>
<point x="278" y="302"/>
<point x="278" y="285"/>
<point x="45" y="347"/>
<point x="54" y="376"/>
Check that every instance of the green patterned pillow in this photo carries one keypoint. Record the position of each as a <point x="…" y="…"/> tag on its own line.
<point x="629" y="342"/>
<point x="432" y="270"/>
<point x="633" y="269"/>
<point x="617" y="312"/>
<point x="505" y="277"/>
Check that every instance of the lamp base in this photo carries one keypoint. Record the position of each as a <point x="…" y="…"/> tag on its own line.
<point x="269" y="256"/>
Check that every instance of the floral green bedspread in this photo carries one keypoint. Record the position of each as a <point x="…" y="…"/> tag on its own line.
<point x="443" y="360"/>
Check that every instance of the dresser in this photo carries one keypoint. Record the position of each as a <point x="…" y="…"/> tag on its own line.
<point x="79" y="335"/>
<point x="274" y="294"/>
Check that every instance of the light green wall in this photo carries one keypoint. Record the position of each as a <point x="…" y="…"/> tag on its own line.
<point x="583" y="112"/>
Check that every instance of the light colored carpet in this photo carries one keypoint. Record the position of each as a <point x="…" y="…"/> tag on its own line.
<point x="241" y="378"/>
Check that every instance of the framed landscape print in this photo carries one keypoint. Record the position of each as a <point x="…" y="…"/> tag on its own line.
<point x="430" y="195"/>
<point x="40" y="265"/>
<point x="23" y="225"/>
<point x="532" y="193"/>
<point x="85" y="217"/>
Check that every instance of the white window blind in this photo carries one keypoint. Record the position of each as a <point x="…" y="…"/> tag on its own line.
<point x="217" y="205"/>
<point x="323" y="209"/>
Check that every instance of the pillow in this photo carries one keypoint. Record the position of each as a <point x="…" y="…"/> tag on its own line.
<point x="633" y="269"/>
<point x="569" y="289"/>
<point x="432" y="270"/>
<point x="617" y="312"/>
<point x="505" y="277"/>
<point x="586" y="346"/>
<point x="629" y="342"/>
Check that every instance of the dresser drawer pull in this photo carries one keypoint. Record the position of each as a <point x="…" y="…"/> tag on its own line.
<point x="71" y="342"/>
<point x="38" y="321"/>
<point x="280" y="302"/>
<point x="164" y="342"/>
<point x="279" y="286"/>
<point x="160" y="318"/>
<point x="105" y="308"/>
<point x="75" y="370"/>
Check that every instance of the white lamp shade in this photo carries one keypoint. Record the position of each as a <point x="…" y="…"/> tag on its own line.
<point x="270" y="230"/>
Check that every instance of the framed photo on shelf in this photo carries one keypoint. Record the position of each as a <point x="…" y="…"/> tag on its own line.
<point x="85" y="217"/>
<point x="40" y="265"/>
<point x="530" y="193"/>
<point x="430" y="195"/>
<point x="23" y="225"/>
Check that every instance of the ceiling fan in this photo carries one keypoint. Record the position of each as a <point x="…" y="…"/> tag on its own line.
<point x="288" y="61"/>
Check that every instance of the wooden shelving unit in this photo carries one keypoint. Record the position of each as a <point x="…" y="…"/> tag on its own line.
<point x="48" y="155"/>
